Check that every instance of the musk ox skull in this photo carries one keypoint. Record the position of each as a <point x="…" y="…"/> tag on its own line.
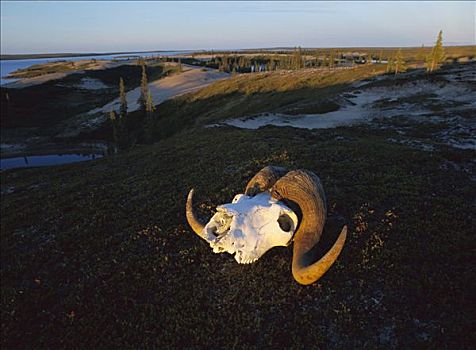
<point x="249" y="226"/>
<point x="259" y="220"/>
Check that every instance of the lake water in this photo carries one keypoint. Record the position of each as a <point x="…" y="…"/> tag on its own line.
<point x="45" y="160"/>
<point x="9" y="66"/>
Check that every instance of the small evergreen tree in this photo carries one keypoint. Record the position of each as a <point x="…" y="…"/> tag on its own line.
<point x="437" y="55"/>
<point x="150" y="118"/>
<point x="122" y="135"/>
<point x="316" y="56"/>
<point x="225" y="63"/>
<point x="326" y="60"/>
<point x="399" y="63"/>
<point x="144" y="89"/>
<point x="297" y="59"/>
<point x="114" y="122"/>
<point x="272" y="64"/>
<point x="331" y="59"/>
<point x="180" y="65"/>
<point x="241" y="62"/>
<point x="149" y="106"/>
<point x="302" y="58"/>
<point x="123" y="100"/>
<point x="391" y="64"/>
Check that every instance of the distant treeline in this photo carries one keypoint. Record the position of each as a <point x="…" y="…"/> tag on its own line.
<point x="298" y="58"/>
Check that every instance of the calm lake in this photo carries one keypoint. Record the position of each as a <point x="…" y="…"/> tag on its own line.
<point x="45" y="160"/>
<point x="8" y="66"/>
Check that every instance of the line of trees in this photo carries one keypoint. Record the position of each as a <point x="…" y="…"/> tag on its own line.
<point x="297" y="59"/>
<point x="121" y="123"/>
<point x="433" y="61"/>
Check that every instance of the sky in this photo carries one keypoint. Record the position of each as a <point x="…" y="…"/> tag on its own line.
<point x="110" y="26"/>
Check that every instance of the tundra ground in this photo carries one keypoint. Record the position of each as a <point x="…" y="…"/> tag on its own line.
<point x="100" y="254"/>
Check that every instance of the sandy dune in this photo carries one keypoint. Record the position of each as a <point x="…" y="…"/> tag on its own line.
<point x="446" y="104"/>
<point x="25" y="82"/>
<point x="191" y="79"/>
<point x="82" y="66"/>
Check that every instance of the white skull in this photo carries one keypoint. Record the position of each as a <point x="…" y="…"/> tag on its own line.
<point x="249" y="226"/>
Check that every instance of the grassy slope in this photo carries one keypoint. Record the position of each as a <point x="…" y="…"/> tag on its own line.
<point x="99" y="254"/>
<point x="244" y="95"/>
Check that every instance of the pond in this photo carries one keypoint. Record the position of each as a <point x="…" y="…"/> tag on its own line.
<point x="45" y="160"/>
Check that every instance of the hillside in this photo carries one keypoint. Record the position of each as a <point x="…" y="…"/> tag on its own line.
<point x="100" y="255"/>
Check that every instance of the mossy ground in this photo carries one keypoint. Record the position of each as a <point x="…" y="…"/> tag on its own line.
<point x="99" y="255"/>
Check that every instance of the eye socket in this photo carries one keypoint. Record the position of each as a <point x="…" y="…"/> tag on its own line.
<point x="285" y="223"/>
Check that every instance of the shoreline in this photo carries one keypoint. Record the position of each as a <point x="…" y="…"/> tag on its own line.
<point x="14" y="57"/>
<point x="58" y="149"/>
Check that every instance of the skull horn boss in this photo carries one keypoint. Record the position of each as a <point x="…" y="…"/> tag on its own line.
<point x="259" y="219"/>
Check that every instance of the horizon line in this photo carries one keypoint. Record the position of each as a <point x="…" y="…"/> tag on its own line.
<point x="233" y="49"/>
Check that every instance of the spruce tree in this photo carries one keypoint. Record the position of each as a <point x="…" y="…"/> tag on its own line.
<point x="297" y="59"/>
<point x="114" y="122"/>
<point x="122" y="135"/>
<point x="437" y="55"/>
<point x="123" y="100"/>
<point x="225" y="63"/>
<point x="337" y="54"/>
<point x="150" y="118"/>
<point x="149" y="106"/>
<point x="399" y="63"/>
<point x="316" y="56"/>
<point x="331" y="59"/>
<point x="241" y="63"/>
<point x="391" y="64"/>
<point x="272" y="64"/>
<point x="301" y="58"/>
<point x="144" y="89"/>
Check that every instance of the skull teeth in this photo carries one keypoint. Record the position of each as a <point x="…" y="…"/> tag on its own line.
<point x="248" y="261"/>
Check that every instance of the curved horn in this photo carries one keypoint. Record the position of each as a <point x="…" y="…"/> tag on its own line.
<point x="305" y="189"/>
<point x="264" y="180"/>
<point x="192" y="220"/>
